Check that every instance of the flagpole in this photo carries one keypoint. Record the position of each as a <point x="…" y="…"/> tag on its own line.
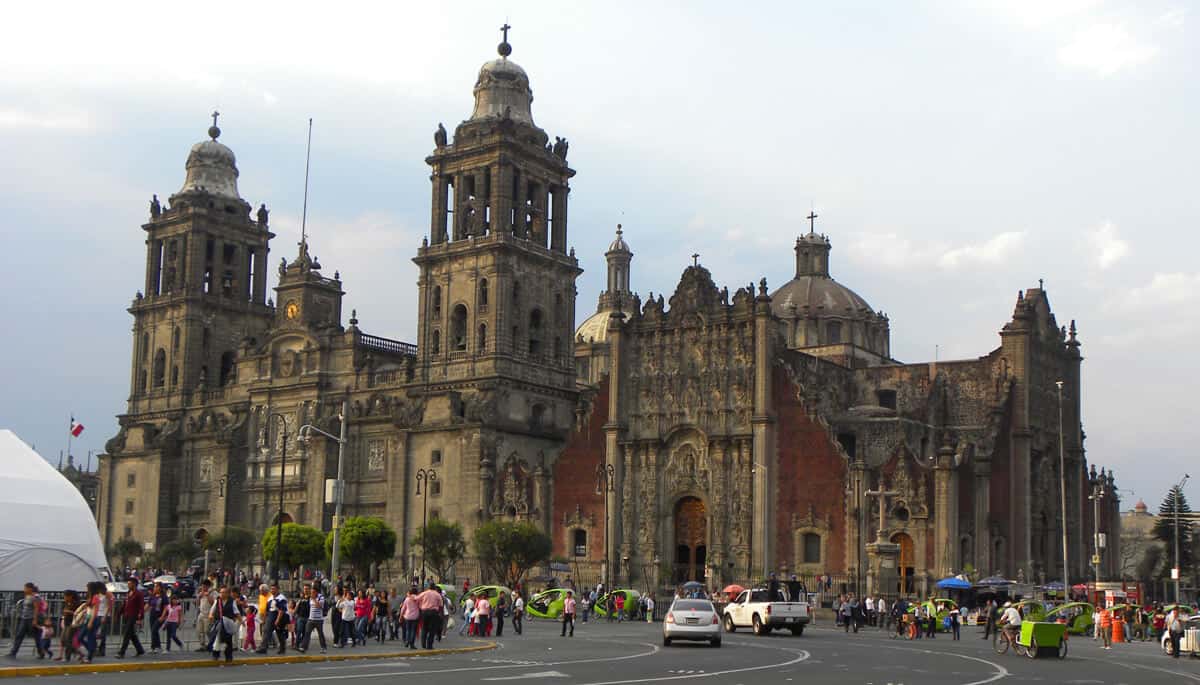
<point x="70" y="434"/>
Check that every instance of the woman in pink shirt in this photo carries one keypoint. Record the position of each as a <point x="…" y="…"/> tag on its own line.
<point x="483" y="616"/>
<point x="410" y="612"/>
<point x="362" y="611"/>
<point x="171" y="618"/>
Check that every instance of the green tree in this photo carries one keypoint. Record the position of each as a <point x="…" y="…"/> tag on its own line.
<point x="176" y="554"/>
<point x="443" y="545"/>
<point x="364" y="541"/>
<point x="234" y="545"/>
<point x="126" y="550"/>
<point x="302" y="545"/>
<point x="508" y="550"/>
<point x="1164" y="529"/>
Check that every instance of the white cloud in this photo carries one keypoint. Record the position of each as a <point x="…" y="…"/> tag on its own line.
<point x="1172" y="18"/>
<point x="1106" y="48"/>
<point x="1164" y="289"/>
<point x="57" y="121"/>
<point x="1109" y="248"/>
<point x="993" y="251"/>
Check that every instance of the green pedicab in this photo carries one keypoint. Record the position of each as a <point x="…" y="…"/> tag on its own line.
<point x="1031" y="610"/>
<point x="450" y="592"/>
<point x="1046" y="639"/>
<point x="492" y="592"/>
<point x="939" y="608"/>
<point x="631" y="603"/>
<point x="1076" y="615"/>
<point x="547" y="603"/>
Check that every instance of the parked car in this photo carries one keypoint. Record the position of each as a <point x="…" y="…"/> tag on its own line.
<point x="547" y="603"/>
<point x="754" y="609"/>
<point x="492" y="592"/>
<point x="692" y="619"/>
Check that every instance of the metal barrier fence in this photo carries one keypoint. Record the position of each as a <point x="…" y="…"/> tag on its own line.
<point x="114" y="627"/>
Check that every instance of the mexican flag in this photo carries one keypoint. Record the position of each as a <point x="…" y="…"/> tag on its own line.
<point x="76" y="428"/>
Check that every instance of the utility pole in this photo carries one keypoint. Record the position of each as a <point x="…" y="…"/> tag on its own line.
<point x="428" y="477"/>
<point x="282" y="477"/>
<point x="1096" y="496"/>
<point x="339" y="486"/>
<point x="1062" y="481"/>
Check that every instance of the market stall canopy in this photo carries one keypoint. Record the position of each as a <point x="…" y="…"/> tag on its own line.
<point x="953" y="583"/>
<point x="733" y="590"/>
<point x="48" y="535"/>
<point x="995" y="581"/>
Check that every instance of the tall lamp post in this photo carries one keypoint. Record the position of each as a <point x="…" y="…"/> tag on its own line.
<point x="282" y="476"/>
<point x="339" y="485"/>
<point x="428" y="477"/>
<point x="1095" y="497"/>
<point x="605" y="475"/>
<point x="1062" y="481"/>
<point x="1177" y="572"/>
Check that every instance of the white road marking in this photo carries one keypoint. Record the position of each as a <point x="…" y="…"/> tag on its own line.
<point x="801" y="656"/>
<point x="1189" y="676"/>
<point x="523" y="676"/>
<point x="653" y="650"/>
<point x="1001" y="672"/>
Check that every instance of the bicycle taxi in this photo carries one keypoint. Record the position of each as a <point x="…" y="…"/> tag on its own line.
<point x="1035" y="639"/>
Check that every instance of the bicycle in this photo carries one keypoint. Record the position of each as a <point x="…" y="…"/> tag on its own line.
<point x="906" y="628"/>
<point x="1003" y="639"/>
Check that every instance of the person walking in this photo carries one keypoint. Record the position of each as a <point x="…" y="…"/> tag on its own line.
<point x="501" y="611"/>
<point x="468" y="615"/>
<point x="1175" y="630"/>
<point x="568" y="617"/>
<point x="410" y="612"/>
<point x="171" y="617"/>
<point x="67" y="631"/>
<point x="300" y="617"/>
<point x="29" y="621"/>
<point x="282" y="620"/>
<point x="205" y="599"/>
<point x="1105" y="627"/>
<point x="430" y="603"/>
<point x="882" y="617"/>
<point x="345" y="609"/>
<point x="315" y="621"/>
<point x="156" y="604"/>
<point x="269" y="615"/>
<point x="955" y="622"/>
<point x="649" y="608"/>
<point x="844" y="613"/>
<point x="483" y="616"/>
<point x="989" y="619"/>
<point x="131" y="616"/>
<point x="362" y="612"/>
<point x="518" y="616"/>
<point x="225" y="616"/>
<point x="87" y="631"/>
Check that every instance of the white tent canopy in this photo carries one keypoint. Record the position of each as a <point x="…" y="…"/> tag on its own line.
<point x="47" y="533"/>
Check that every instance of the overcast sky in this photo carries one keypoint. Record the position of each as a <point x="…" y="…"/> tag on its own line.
<point x="956" y="153"/>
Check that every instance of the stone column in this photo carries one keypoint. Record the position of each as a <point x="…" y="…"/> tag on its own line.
<point x="612" y="451"/>
<point x="502" y="203"/>
<point x="627" y="532"/>
<point x="487" y="473"/>
<point x="541" y="500"/>
<point x="882" y="576"/>
<point x="982" y="503"/>
<point x="558" y="236"/>
<point x="764" y="435"/>
<point x="945" y="507"/>
<point x="437" y="220"/>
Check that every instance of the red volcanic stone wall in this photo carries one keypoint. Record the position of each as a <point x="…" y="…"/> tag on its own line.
<point x="811" y="474"/>
<point x="575" y="480"/>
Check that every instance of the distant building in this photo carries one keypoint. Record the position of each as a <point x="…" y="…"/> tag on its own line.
<point x="1137" y="536"/>
<point x="87" y="482"/>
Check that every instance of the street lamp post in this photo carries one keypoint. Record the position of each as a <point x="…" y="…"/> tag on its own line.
<point x="1062" y="481"/>
<point x="282" y="476"/>
<point x="428" y="477"/>
<point x="1096" y="496"/>
<point x="1176" y="496"/>
<point x="605" y="474"/>
<point x="339" y="486"/>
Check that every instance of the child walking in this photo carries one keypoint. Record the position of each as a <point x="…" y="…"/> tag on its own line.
<point x="249" y="645"/>
<point x="46" y="636"/>
<point x="170" y="621"/>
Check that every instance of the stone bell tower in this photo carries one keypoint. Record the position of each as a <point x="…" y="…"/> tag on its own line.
<point x="496" y="307"/>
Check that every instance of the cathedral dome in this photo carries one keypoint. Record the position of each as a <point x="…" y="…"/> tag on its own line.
<point x="815" y="295"/>
<point x="618" y="244"/>
<point x="502" y="90"/>
<point x="595" y="328"/>
<point x="212" y="168"/>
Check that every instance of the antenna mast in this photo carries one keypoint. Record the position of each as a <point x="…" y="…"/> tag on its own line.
<point x="304" y="212"/>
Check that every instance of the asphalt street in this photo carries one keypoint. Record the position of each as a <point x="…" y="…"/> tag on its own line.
<point x="626" y="653"/>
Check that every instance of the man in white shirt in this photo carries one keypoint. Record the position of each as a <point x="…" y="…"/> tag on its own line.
<point x="1011" y="620"/>
<point x="881" y="613"/>
<point x="870" y="611"/>
<point x="649" y="609"/>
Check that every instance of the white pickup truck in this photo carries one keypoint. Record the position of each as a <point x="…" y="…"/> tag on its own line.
<point x="753" y="609"/>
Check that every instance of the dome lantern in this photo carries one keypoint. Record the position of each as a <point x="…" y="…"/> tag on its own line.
<point x="211" y="167"/>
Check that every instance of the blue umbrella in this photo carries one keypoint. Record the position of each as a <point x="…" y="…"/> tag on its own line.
<point x="953" y="583"/>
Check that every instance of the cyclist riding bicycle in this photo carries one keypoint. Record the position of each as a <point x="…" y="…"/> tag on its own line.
<point x="1011" y="621"/>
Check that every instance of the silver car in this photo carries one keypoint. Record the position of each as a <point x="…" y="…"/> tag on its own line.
<point x="692" y="619"/>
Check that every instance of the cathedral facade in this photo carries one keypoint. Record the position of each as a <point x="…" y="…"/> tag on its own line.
<point x="708" y="434"/>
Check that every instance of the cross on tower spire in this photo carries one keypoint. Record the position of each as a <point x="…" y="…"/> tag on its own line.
<point x="696" y="259"/>
<point x="505" y="29"/>
<point x="504" y="48"/>
<point x="215" y="114"/>
<point x="812" y="221"/>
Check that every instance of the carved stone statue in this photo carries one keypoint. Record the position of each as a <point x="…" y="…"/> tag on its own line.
<point x="282" y="266"/>
<point x="155" y="208"/>
<point x="439" y="136"/>
<point x="263" y="215"/>
<point x="560" y="147"/>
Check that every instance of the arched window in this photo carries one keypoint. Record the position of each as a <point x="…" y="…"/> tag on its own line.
<point x="833" y="333"/>
<point x="537" y="415"/>
<point x="437" y="342"/>
<point x="228" y="368"/>
<point x="437" y="301"/>
<point x="458" y="328"/>
<point x="174" y="375"/>
<point x="481" y="343"/>
<point x="535" y="332"/>
<point x="175" y="342"/>
<point x="483" y="294"/>
<point x="812" y="548"/>
<point x="160" y="367"/>
<point x="145" y="346"/>
<point x="579" y="542"/>
<point x="558" y="308"/>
